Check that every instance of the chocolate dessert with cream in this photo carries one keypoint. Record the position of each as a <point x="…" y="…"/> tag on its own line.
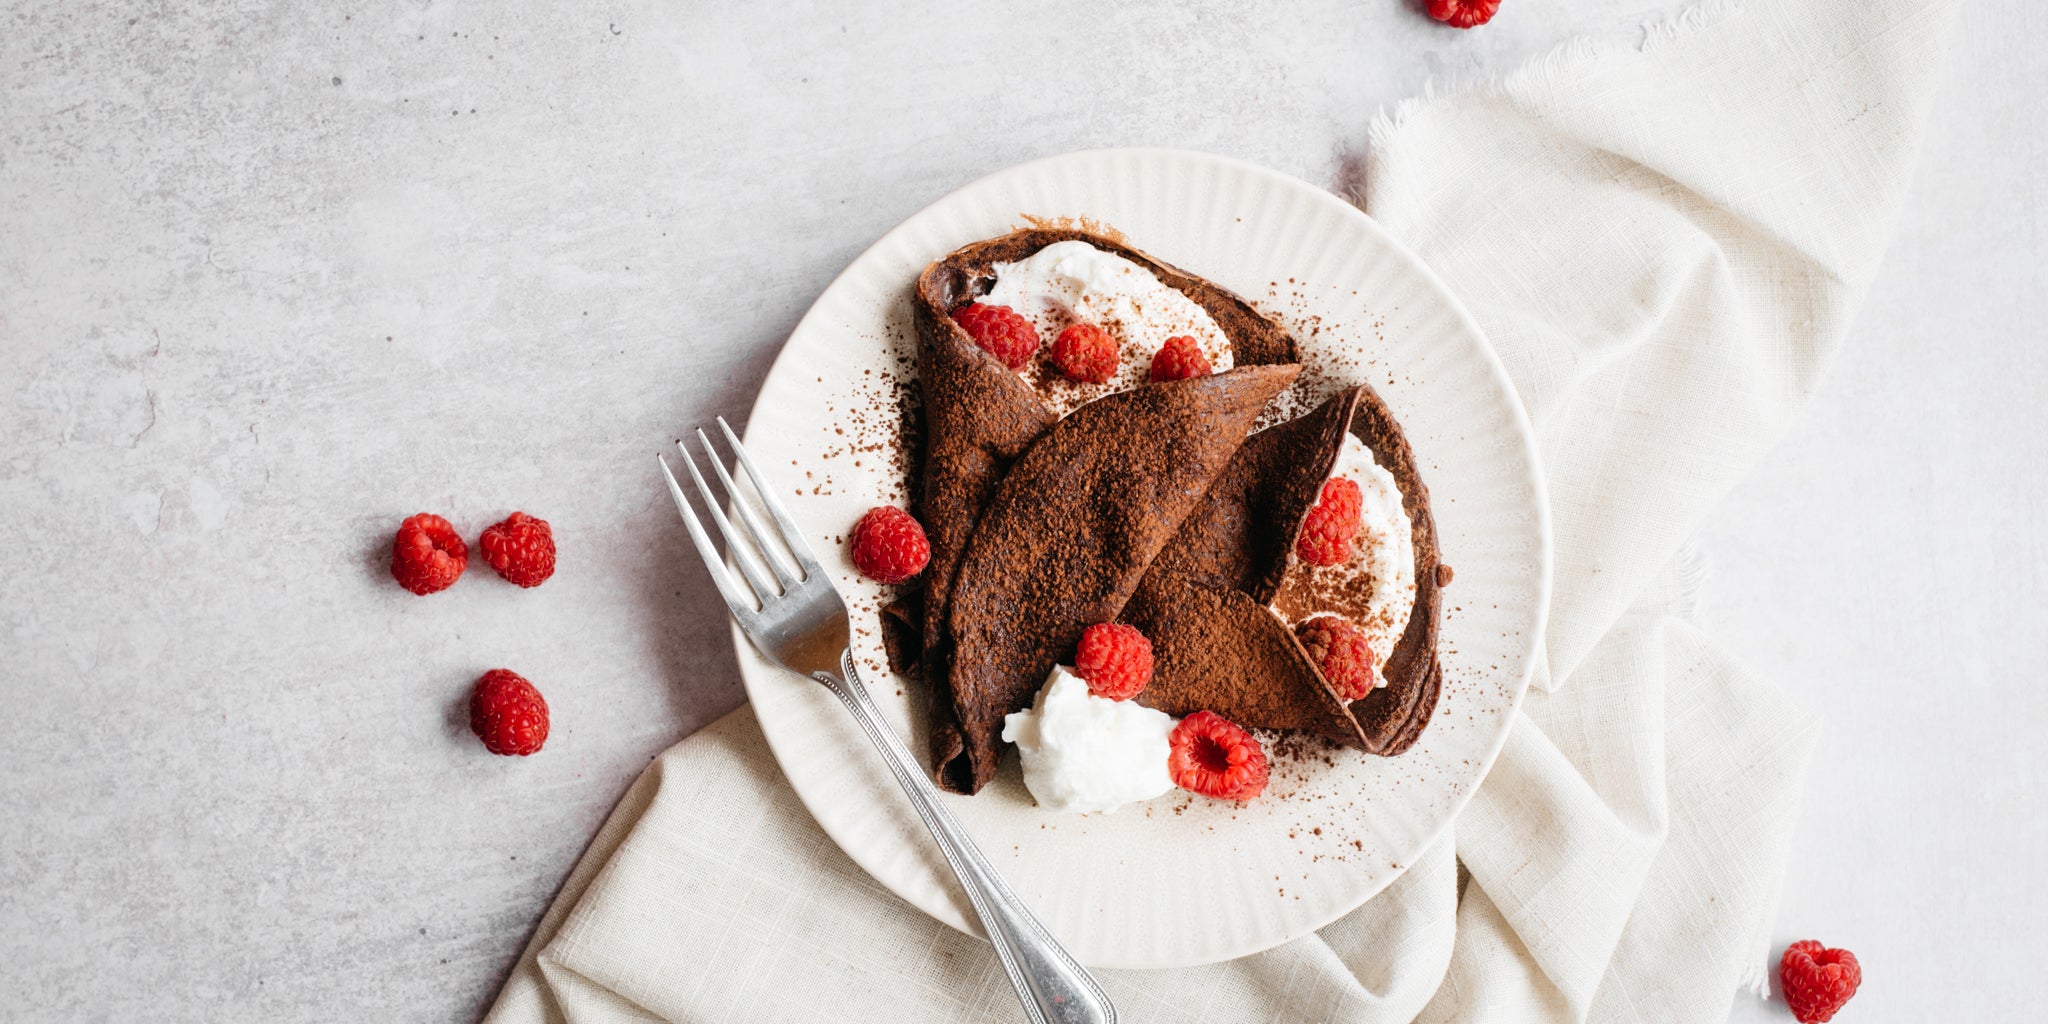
<point x="1221" y="604"/>
<point x="1054" y="503"/>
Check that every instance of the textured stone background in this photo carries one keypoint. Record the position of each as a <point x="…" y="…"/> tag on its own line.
<point x="273" y="276"/>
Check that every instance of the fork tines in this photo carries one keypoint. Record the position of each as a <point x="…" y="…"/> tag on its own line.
<point x="772" y="559"/>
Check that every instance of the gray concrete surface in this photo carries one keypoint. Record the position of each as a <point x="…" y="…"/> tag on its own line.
<point x="273" y="276"/>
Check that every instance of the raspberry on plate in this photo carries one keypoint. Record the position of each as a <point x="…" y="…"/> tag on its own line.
<point x="521" y="549"/>
<point x="1817" y="980"/>
<point x="427" y="555"/>
<point x="1330" y="527"/>
<point x="1001" y="330"/>
<point x="508" y="714"/>
<point x="1339" y="650"/>
<point x="1085" y="353"/>
<point x="1179" y="359"/>
<point x="889" y="545"/>
<point x="1463" y="13"/>
<point x="1214" y="756"/>
<point x="1115" y="659"/>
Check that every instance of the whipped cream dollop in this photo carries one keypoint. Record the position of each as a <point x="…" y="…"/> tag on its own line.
<point x="1085" y="753"/>
<point x="1375" y="588"/>
<point x="1073" y="282"/>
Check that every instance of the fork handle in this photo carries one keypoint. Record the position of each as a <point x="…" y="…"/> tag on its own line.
<point x="1054" y="987"/>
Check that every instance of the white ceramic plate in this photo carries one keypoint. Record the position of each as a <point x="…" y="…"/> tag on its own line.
<point x="1181" y="880"/>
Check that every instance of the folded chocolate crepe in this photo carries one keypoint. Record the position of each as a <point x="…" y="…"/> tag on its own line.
<point x="1216" y="646"/>
<point x="979" y="417"/>
<point x="1071" y="531"/>
<point x="1204" y="603"/>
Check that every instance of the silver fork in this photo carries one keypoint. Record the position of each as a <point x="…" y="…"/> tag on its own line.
<point x="795" y="618"/>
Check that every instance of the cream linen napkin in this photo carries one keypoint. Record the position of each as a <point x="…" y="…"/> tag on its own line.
<point x="1665" y="244"/>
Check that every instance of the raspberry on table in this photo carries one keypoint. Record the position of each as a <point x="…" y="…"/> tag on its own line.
<point x="889" y="545"/>
<point x="521" y="549"/>
<point x="508" y="714"/>
<point x="1115" y="659"/>
<point x="1817" y="980"/>
<point x="1330" y="527"/>
<point x="1338" y="648"/>
<point x="1085" y="353"/>
<point x="1179" y="359"/>
<point x="1001" y="330"/>
<point x="1214" y="756"/>
<point x="427" y="555"/>
<point x="1463" y="13"/>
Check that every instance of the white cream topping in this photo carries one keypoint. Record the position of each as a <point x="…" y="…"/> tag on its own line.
<point x="1073" y="282"/>
<point x="1085" y="753"/>
<point x="1386" y="551"/>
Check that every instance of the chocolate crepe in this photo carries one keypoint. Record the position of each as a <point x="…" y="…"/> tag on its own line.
<point x="1216" y="644"/>
<point x="979" y="416"/>
<point x="1071" y="531"/>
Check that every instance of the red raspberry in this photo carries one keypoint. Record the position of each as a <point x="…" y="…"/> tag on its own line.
<point x="889" y="546"/>
<point x="1179" y="359"/>
<point x="1339" y="649"/>
<point x="1086" y="353"/>
<point x="1001" y="330"/>
<point x="1115" y="659"/>
<point x="1329" y="528"/>
<point x="521" y="549"/>
<point x="427" y="555"/>
<point x="1817" y="980"/>
<point x="1214" y="756"/>
<point x="508" y="714"/>
<point x="1463" y="13"/>
<point x="1343" y="493"/>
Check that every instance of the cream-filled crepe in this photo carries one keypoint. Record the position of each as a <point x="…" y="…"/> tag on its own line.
<point x="1115" y="466"/>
